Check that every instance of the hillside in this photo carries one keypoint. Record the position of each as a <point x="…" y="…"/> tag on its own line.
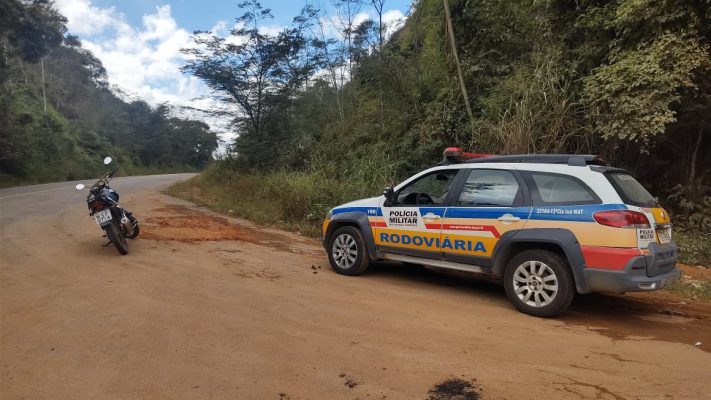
<point x="628" y="79"/>
<point x="59" y="116"/>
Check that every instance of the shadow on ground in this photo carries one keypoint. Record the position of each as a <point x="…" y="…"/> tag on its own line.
<point x="645" y="316"/>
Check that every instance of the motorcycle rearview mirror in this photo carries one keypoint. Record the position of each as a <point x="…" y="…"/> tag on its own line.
<point x="79" y="186"/>
<point x="107" y="160"/>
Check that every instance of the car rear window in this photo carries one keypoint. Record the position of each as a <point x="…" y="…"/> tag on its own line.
<point x="631" y="191"/>
<point x="557" y="189"/>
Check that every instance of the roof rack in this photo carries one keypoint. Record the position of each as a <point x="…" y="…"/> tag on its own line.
<point x="576" y="160"/>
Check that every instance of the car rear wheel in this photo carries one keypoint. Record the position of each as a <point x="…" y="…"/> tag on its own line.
<point x="539" y="283"/>
<point x="347" y="253"/>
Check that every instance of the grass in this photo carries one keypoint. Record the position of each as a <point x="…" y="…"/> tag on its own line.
<point x="694" y="245"/>
<point x="695" y="290"/>
<point x="296" y="201"/>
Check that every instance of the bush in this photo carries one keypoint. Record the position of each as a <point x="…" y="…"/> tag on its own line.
<point x="694" y="246"/>
<point x="299" y="200"/>
<point x="293" y="200"/>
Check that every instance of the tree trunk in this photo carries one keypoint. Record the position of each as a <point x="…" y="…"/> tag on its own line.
<point x="380" y="27"/>
<point x="22" y="69"/>
<point x="694" y="153"/>
<point x="453" y="44"/>
<point x="44" y="96"/>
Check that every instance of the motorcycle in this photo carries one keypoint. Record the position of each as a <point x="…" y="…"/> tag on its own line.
<point x="118" y="223"/>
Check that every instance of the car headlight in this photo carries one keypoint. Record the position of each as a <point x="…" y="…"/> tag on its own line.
<point x="329" y="215"/>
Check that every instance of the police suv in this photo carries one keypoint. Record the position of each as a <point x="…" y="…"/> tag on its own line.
<point x="549" y="225"/>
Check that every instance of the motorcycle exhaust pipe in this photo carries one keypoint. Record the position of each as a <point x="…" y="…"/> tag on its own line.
<point x="127" y="224"/>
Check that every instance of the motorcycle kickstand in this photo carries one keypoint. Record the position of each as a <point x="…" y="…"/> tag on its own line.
<point x="107" y="244"/>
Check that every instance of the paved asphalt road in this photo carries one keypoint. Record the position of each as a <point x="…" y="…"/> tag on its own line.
<point x="24" y="202"/>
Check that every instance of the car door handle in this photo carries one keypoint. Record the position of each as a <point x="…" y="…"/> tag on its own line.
<point x="431" y="216"/>
<point x="509" y="218"/>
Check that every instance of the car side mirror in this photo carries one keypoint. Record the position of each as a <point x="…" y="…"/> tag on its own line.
<point x="390" y="198"/>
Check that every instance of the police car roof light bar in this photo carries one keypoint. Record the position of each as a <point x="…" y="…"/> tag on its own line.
<point x="457" y="154"/>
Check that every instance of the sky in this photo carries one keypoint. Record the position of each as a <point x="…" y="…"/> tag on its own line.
<point x="139" y="41"/>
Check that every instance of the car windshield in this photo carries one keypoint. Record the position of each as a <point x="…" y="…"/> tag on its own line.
<point x="631" y="191"/>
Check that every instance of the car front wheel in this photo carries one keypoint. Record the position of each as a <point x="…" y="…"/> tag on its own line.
<point x="347" y="253"/>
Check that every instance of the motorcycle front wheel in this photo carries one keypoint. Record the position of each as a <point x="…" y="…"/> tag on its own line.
<point x="115" y="235"/>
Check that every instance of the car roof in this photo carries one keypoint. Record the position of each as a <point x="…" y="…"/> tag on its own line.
<point x="578" y="160"/>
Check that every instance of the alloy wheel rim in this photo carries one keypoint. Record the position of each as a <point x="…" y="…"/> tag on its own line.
<point x="535" y="284"/>
<point x="344" y="251"/>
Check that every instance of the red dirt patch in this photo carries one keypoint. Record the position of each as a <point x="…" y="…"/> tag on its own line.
<point x="183" y="224"/>
<point x="696" y="273"/>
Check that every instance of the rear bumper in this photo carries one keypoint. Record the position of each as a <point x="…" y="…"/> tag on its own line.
<point x="600" y="280"/>
<point x="642" y="273"/>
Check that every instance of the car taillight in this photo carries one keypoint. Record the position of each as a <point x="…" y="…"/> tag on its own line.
<point x="622" y="219"/>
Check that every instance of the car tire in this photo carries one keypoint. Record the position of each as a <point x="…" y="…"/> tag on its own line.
<point x="347" y="253"/>
<point x="539" y="283"/>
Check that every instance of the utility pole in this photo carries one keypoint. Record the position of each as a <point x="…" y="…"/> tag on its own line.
<point x="453" y="44"/>
<point x="44" y="96"/>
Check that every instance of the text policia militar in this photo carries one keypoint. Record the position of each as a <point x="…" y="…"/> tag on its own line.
<point x="402" y="217"/>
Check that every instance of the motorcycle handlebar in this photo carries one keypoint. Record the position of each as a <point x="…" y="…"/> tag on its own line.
<point x="104" y="181"/>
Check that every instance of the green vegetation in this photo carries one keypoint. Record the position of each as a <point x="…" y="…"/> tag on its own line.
<point x="323" y="119"/>
<point x="627" y="79"/>
<point x="694" y="290"/>
<point x="296" y="200"/>
<point x="59" y="117"/>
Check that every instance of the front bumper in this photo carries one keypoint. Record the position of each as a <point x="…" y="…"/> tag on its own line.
<point x="647" y="272"/>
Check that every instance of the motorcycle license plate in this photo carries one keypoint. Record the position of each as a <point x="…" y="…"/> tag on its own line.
<point x="102" y="216"/>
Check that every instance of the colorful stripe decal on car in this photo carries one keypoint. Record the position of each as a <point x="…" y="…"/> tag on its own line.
<point x="612" y="258"/>
<point x="581" y="213"/>
<point x="370" y="211"/>
<point x="487" y="212"/>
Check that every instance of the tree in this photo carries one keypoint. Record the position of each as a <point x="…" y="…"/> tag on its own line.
<point x="60" y="126"/>
<point x="254" y="70"/>
<point x="656" y="79"/>
<point x="378" y="5"/>
<point x="633" y="96"/>
<point x="29" y="29"/>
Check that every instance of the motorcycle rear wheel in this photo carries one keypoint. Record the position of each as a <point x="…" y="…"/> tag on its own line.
<point x="115" y="235"/>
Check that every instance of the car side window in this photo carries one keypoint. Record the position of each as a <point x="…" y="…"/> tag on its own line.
<point x="558" y="189"/>
<point x="489" y="187"/>
<point x="431" y="189"/>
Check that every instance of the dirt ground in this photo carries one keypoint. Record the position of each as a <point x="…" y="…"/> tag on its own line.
<point x="209" y="307"/>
